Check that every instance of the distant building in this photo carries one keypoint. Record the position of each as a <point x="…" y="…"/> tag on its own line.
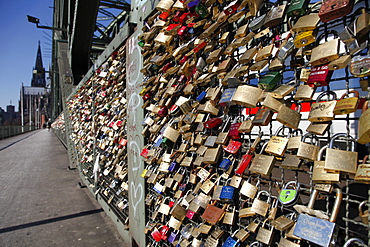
<point x="9" y="117"/>
<point x="34" y="98"/>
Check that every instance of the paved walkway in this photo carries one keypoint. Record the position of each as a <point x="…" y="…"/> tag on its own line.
<point x="40" y="202"/>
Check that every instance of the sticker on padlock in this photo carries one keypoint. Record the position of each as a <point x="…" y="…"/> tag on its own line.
<point x="287" y="196"/>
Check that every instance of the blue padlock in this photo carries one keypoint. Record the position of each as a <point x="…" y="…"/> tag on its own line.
<point x="226" y="163"/>
<point x="201" y="96"/>
<point x="173" y="236"/>
<point x="231" y="242"/>
<point x="227" y="192"/>
<point x="173" y="166"/>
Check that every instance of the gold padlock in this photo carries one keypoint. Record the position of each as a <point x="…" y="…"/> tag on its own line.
<point x="289" y="117"/>
<point x="254" y="6"/>
<point x="241" y="32"/>
<point x="318" y="128"/>
<point x="363" y="214"/>
<point x="362" y="174"/>
<point x="364" y="125"/>
<point x="259" y="206"/>
<point x="264" y="53"/>
<point x="262" y="164"/>
<point x="259" y="65"/>
<point x="277" y="144"/>
<point x="323" y="111"/>
<point x="164" y="5"/>
<point x="305" y="73"/>
<point x="275" y="16"/>
<point x="362" y="24"/>
<point x="271" y="103"/>
<point x="340" y="160"/>
<point x="265" y="235"/>
<point x="319" y="174"/>
<point x="306" y="23"/>
<point x="308" y="151"/>
<point x="304" y="93"/>
<point x="340" y="63"/>
<point x="347" y="105"/>
<point x="325" y="52"/>
<point x="248" y="189"/>
<point x="247" y="96"/>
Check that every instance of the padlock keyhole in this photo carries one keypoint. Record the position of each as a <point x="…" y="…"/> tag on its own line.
<point x="287" y="194"/>
<point x="333" y="6"/>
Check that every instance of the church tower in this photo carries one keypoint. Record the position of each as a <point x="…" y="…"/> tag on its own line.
<point x="38" y="75"/>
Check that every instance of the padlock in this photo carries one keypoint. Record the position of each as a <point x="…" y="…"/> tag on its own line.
<point x="248" y="55"/>
<point x="254" y="6"/>
<point x="265" y="235"/>
<point x="226" y="97"/>
<point x="362" y="172"/>
<point x="263" y="117"/>
<point x="247" y="96"/>
<point x="363" y="214"/>
<point x="316" y="230"/>
<point x="319" y="76"/>
<point x="264" y="52"/>
<point x="227" y="192"/>
<point x="248" y="189"/>
<point x="273" y="210"/>
<point x="213" y="214"/>
<point x="283" y="222"/>
<point x="353" y="240"/>
<point x="294" y="139"/>
<point x="208" y="184"/>
<point x="246" y="212"/>
<point x="304" y="75"/>
<point x="275" y="15"/>
<point x="308" y="151"/>
<point x="347" y="105"/>
<point x="284" y="89"/>
<point x="174" y="236"/>
<point x="236" y="181"/>
<point x="261" y="207"/>
<point x="226" y="163"/>
<point x="334" y="9"/>
<point x="286" y="49"/>
<point x="288" y="197"/>
<point x="297" y="7"/>
<point x="304" y="38"/>
<point x="244" y="163"/>
<point x="272" y="103"/>
<point x="212" y="155"/>
<point x="231" y="242"/>
<point x="289" y="117"/>
<point x="325" y="53"/>
<point x="362" y="24"/>
<point x="319" y="174"/>
<point x="165" y="208"/>
<point x="340" y="160"/>
<point x="262" y="164"/>
<point x="360" y="66"/>
<point x="324" y="111"/>
<point x="222" y="136"/>
<point x="164" y="5"/>
<point x="277" y="144"/>
<point x="284" y="242"/>
<point x="229" y="217"/>
<point x="304" y="93"/>
<point x="340" y="63"/>
<point x="306" y="23"/>
<point x="270" y="80"/>
<point x="364" y="125"/>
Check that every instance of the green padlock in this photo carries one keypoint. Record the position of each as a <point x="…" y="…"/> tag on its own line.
<point x="201" y="10"/>
<point x="270" y="80"/>
<point x="167" y="143"/>
<point x="298" y="7"/>
<point x="288" y="197"/>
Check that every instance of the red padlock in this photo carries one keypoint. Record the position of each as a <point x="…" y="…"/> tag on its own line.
<point x="157" y="236"/>
<point x="212" y="123"/>
<point x="233" y="147"/>
<point x="165" y="232"/>
<point x="163" y="111"/>
<point x="164" y="15"/>
<point x="334" y="9"/>
<point x="320" y="76"/>
<point x="199" y="47"/>
<point x="244" y="163"/>
<point x="234" y="131"/>
<point x="231" y="9"/>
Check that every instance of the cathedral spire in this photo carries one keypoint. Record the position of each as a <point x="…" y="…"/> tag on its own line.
<point x="38" y="77"/>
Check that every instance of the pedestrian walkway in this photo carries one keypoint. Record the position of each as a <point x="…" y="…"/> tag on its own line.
<point x="40" y="201"/>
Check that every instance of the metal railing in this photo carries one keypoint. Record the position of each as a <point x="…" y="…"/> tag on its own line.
<point x="12" y="130"/>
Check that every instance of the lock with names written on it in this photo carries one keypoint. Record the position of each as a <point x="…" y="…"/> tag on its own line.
<point x="319" y="174"/>
<point x="316" y="230"/>
<point x="341" y="160"/>
<point x="277" y="144"/>
<point x="319" y="76"/>
<point x="262" y="164"/>
<point x="347" y="105"/>
<point x="334" y="9"/>
<point x="323" y="111"/>
<point x="308" y="151"/>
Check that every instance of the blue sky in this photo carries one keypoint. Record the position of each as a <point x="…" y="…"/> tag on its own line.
<point x="18" y="45"/>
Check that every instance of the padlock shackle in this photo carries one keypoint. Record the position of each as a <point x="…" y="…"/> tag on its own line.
<point x="328" y="93"/>
<point x="351" y="240"/>
<point x="336" y="206"/>
<point x="352" y="91"/>
<point x="312" y="137"/>
<point x="263" y="147"/>
<point x="338" y="135"/>
<point x="360" y="207"/>
<point x="281" y="128"/>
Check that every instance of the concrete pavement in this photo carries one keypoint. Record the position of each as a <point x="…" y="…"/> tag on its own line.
<point x="40" y="202"/>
